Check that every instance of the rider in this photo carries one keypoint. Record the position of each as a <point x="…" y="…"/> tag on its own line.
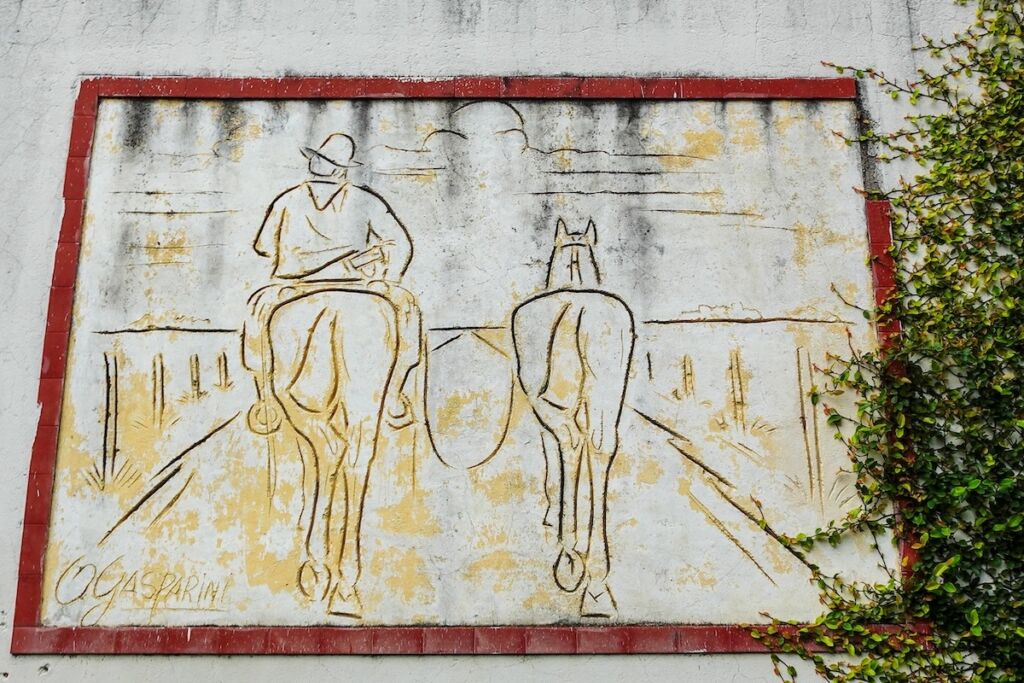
<point x="324" y="233"/>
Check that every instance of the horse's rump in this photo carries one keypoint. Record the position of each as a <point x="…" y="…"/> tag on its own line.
<point x="332" y="346"/>
<point x="563" y="337"/>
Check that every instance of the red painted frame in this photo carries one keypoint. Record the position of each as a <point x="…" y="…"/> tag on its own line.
<point x="30" y="636"/>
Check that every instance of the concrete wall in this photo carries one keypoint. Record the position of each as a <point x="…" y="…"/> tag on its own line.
<point x="45" y="47"/>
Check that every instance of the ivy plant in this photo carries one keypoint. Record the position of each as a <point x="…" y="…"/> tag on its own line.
<point x="936" y="437"/>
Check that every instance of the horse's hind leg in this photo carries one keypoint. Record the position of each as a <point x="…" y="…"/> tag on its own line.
<point x="322" y="536"/>
<point x="353" y="481"/>
<point x="597" y="596"/>
<point x="552" y="476"/>
<point x="601" y="415"/>
<point x="569" y="565"/>
<point x="366" y="348"/>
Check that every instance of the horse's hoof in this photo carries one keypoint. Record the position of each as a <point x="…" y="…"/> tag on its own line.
<point x="263" y="418"/>
<point x="598" y="601"/>
<point x="568" y="570"/>
<point x="345" y="603"/>
<point x="314" y="580"/>
<point x="400" y="414"/>
<point x="549" y="517"/>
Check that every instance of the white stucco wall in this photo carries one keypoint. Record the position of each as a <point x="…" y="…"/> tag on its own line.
<point x="46" y="47"/>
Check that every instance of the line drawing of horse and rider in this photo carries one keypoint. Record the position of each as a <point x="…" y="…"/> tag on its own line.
<point x="332" y="342"/>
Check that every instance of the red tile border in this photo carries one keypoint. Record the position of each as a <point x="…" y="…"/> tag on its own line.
<point x="38" y="498"/>
<point x="550" y="640"/>
<point x="33" y="549"/>
<point x="879" y="213"/>
<point x="71" y="222"/>
<point x="26" y="605"/>
<point x="475" y="87"/>
<point x="294" y="641"/>
<point x="40" y="639"/>
<point x="883" y="268"/>
<point x="177" y="640"/>
<point x="379" y="640"/>
<point x="49" y="396"/>
<point x="345" y="640"/>
<point x="82" y="128"/>
<point x="651" y="639"/>
<point x="883" y="273"/>
<point x="482" y="87"/>
<point x="396" y="640"/>
<point x="30" y="637"/>
<point x="602" y="640"/>
<point x="58" y="317"/>
<point x="55" y="347"/>
<point x="499" y="640"/>
<point x="65" y="266"/>
<point x="242" y="640"/>
<point x="75" y="176"/>
<point x="449" y="640"/>
<point x="87" y="102"/>
<point x="44" y="445"/>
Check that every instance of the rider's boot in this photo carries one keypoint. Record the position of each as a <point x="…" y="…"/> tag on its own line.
<point x="399" y="410"/>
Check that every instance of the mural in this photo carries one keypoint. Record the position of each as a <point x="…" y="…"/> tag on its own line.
<point x="451" y="362"/>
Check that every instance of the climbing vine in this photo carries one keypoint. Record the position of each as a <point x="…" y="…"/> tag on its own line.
<point x="936" y="437"/>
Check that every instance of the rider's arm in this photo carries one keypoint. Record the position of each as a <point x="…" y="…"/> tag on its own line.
<point x="394" y="238"/>
<point x="265" y="243"/>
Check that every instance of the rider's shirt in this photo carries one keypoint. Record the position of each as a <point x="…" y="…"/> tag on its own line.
<point x="310" y="227"/>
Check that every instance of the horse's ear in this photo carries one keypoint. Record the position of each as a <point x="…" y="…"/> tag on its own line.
<point x="590" y="234"/>
<point x="561" y="232"/>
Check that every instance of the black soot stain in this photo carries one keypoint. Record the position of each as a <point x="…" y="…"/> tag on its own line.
<point x="767" y="115"/>
<point x="316" y="108"/>
<point x="135" y="131"/>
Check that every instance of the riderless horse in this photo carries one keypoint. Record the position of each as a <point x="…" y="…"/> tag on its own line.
<point x="573" y="346"/>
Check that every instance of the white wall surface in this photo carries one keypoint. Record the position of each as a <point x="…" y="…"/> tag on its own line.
<point x="46" y="47"/>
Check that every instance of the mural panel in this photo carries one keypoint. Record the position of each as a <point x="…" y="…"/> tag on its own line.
<point x="455" y="362"/>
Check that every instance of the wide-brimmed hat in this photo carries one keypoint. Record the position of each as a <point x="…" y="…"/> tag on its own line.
<point x="337" y="149"/>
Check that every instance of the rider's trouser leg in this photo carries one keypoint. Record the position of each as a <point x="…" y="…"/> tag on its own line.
<point x="256" y="358"/>
<point x="410" y="332"/>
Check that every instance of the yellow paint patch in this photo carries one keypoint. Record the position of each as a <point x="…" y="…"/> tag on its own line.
<point x="464" y="409"/>
<point x="411" y="515"/>
<point x="685" y="484"/>
<point x="649" y="472"/>
<point x="425" y="177"/>
<point x="746" y="133"/>
<point x="501" y="564"/>
<point x="166" y="249"/>
<point x="503" y="488"/>
<point x="811" y="238"/>
<point x="703" y="576"/>
<point x="425" y="129"/>
<point x="540" y="598"/>
<point x="706" y="144"/>
<point x="490" y="537"/>
<point x="704" y="113"/>
<point x="404" y="573"/>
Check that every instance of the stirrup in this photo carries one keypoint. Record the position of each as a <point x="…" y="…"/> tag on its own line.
<point x="403" y="419"/>
<point x="263" y="418"/>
